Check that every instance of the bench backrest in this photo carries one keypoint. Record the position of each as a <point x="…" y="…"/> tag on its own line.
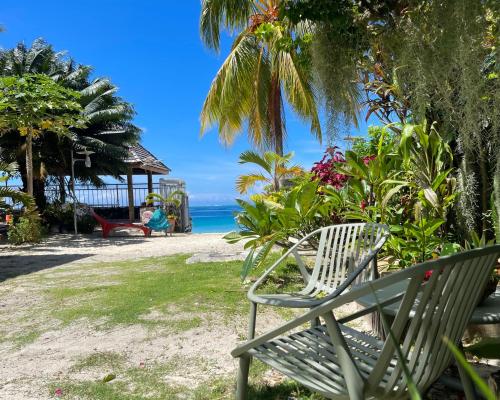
<point x="440" y="306"/>
<point x="342" y="250"/>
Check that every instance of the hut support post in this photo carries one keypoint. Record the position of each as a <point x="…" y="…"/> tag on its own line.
<point x="150" y="182"/>
<point x="130" y="188"/>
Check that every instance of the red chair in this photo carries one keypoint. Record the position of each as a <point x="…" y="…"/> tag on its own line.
<point x="108" y="226"/>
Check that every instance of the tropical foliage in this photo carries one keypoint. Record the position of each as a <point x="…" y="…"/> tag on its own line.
<point x="418" y="60"/>
<point x="277" y="219"/>
<point x="275" y="171"/>
<point x="27" y="228"/>
<point x="407" y="184"/>
<point x="171" y="203"/>
<point x="264" y="68"/>
<point x="8" y="171"/>
<point x="32" y="104"/>
<point x="108" y="131"/>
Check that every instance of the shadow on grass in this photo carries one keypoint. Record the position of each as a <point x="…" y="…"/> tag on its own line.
<point x="283" y="391"/>
<point x="16" y="265"/>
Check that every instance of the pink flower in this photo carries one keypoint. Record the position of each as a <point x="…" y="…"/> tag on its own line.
<point x="367" y="159"/>
<point x="325" y="170"/>
<point x="363" y="204"/>
<point x="58" y="392"/>
<point x="428" y="275"/>
<point x="142" y="364"/>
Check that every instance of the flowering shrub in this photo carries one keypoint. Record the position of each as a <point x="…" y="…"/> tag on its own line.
<point x="325" y="170"/>
<point x="367" y="159"/>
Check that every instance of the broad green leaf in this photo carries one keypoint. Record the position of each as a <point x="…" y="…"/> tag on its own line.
<point x="247" y="264"/>
<point x="439" y="179"/>
<point x="480" y="384"/>
<point x="390" y="194"/>
<point x="262" y="254"/>
<point x="486" y="348"/>
<point x="432" y="226"/>
<point x="449" y="249"/>
<point x="431" y="196"/>
<point x="357" y="164"/>
<point x="233" y="237"/>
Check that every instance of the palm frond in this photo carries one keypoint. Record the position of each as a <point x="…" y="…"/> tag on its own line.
<point x="229" y="99"/>
<point x="108" y="114"/>
<point x="108" y="131"/>
<point x="245" y="182"/>
<point x="255" y="158"/>
<point x="16" y="197"/>
<point x="218" y="14"/>
<point x="258" y="122"/>
<point x="96" y="87"/>
<point x="297" y="84"/>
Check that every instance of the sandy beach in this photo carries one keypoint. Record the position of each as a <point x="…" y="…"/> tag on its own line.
<point x="65" y="249"/>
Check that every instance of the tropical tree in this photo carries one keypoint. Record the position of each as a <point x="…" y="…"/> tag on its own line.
<point x="275" y="168"/>
<point x="108" y="130"/>
<point x="33" y="104"/>
<point x="265" y="67"/>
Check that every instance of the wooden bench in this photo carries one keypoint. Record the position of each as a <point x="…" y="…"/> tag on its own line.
<point x="108" y="226"/>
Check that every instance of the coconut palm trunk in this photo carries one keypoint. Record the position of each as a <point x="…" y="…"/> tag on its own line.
<point x="276" y="115"/>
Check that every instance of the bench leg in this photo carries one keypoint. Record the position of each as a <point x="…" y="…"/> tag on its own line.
<point x="315" y="322"/>
<point x="252" y="321"/>
<point x="242" y="384"/>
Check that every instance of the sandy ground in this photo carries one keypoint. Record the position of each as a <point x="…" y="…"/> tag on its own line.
<point x="66" y="248"/>
<point x="26" y="370"/>
<point x="201" y="353"/>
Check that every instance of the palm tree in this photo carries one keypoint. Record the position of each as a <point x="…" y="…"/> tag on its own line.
<point x="275" y="169"/>
<point x="7" y="171"/>
<point x="108" y="130"/>
<point x="263" y="68"/>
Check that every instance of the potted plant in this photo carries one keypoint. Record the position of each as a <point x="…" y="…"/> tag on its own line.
<point x="170" y="204"/>
<point x="171" y="218"/>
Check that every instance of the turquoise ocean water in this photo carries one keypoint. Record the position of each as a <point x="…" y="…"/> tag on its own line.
<point x="210" y="219"/>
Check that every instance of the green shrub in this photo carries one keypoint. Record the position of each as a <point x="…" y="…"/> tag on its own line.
<point x="85" y="223"/>
<point x="61" y="216"/>
<point x="27" y="230"/>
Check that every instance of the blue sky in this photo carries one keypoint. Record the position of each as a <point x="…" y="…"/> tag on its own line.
<point x="152" y="51"/>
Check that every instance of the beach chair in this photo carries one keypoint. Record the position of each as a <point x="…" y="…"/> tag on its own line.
<point x="343" y="363"/>
<point x="108" y="226"/>
<point x="343" y="254"/>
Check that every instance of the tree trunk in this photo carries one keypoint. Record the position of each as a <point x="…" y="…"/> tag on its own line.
<point x="39" y="194"/>
<point x="62" y="189"/>
<point x="496" y="198"/>
<point x="29" y="162"/>
<point x="276" y="115"/>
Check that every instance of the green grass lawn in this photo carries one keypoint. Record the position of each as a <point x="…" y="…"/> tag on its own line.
<point x="163" y="284"/>
<point x="120" y="294"/>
